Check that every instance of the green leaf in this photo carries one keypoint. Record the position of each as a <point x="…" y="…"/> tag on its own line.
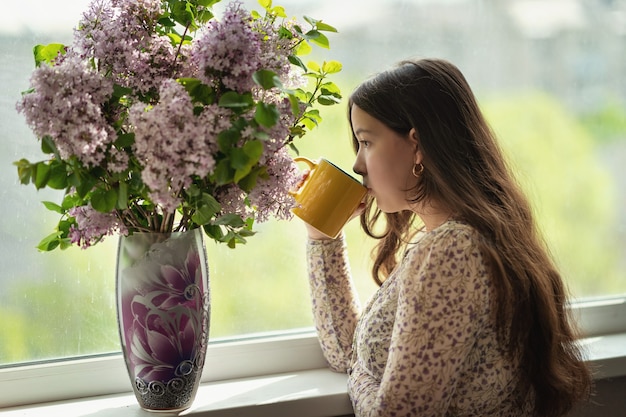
<point x="331" y="88"/>
<point x="205" y="15"/>
<point x="226" y="139"/>
<point x="297" y="62"/>
<point x="279" y="11"/>
<point x="248" y="182"/>
<point x="104" y="200"/>
<point x="199" y="92"/>
<point x="49" y="242"/>
<point x="313" y="66"/>
<point x="65" y="226"/>
<point x="203" y="215"/>
<point x="321" y="40"/>
<point x="53" y="240"/>
<point x="53" y="207"/>
<point x="311" y="119"/>
<point x="238" y="159"/>
<point x="231" y="240"/>
<point x="295" y="104"/>
<point x="182" y="12"/>
<point x="120" y="91"/>
<point x="232" y="99"/>
<point x="71" y="200"/>
<point x="83" y="183"/>
<point x="266" y="4"/>
<point x="246" y="233"/>
<point x="48" y="53"/>
<point x="310" y="21"/>
<point x="207" y="3"/>
<point x="244" y="159"/>
<point x="175" y="38"/>
<point x="319" y="25"/>
<point x="285" y="33"/>
<point x="230" y="219"/>
<point x="24" y="170"/>
<point x="210" y="201"/>
<point x="214" y="232"/>
<point x="48" y="146"/>
<point x="58" y="176"/>
<point x="331" y="67"/>
<point x="166" y="21"/>
<point x="223" y="172"/>
<point x="41" y="174"/>
<point x="303" y="48"/>
<point x="328" y="100"/>
<point x="254" y="149"/>
<point x="267" y="79"/>
<point x="266" y="114"/>
<point x="125" y="140"/>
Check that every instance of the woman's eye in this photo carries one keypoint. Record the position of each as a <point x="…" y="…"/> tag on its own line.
<point x="363" y="143"/>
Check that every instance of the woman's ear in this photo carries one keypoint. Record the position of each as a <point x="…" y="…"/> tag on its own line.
<point x="414" y="138"/>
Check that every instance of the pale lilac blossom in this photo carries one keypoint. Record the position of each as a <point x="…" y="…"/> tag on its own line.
<point x="91" y="226"/>
<point x="275" y="51"/>
<point x="120" y="35"/>
<point x="271" y="198"/>
<point x="233" y="200"/>
<point x="66" y="105"/>
<point x="229" y="51"/>
<point x="174" y="145"/>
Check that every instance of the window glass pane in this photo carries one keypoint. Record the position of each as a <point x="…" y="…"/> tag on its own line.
<point x="552" y="88"/>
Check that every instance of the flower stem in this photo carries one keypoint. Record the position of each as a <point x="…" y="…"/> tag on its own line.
<point x="180" y="46"/>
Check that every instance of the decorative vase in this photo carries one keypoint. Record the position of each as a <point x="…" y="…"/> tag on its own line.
<point x="163" y="310"/>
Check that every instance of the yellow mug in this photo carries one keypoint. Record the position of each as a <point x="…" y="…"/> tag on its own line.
<point x="327" y="197"/>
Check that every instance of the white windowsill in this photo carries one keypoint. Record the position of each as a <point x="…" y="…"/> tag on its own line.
<point x="316" y="392"/>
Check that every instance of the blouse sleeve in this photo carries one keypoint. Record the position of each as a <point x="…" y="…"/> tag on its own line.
<point x="443" y="302"/>
<point x="335" y="303"/>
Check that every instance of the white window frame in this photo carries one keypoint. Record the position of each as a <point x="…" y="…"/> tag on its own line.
<point x="257" y="355"/>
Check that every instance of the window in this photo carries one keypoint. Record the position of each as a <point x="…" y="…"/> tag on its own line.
<point x="552" y="88"/>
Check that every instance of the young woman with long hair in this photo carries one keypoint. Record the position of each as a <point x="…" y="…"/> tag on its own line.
<point x="471" y="316"/>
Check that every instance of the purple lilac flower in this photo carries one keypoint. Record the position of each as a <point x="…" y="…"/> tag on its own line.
<point x="66" y="105"/>
<point x="91" y="226"/>
<point x="271" y="196"/>
<point x="229" y="51"/>
<point x="233" y="200"/>
<point x="173" y="144"/>
<point x="275" y="51"/>
<point x="119" y="34"/>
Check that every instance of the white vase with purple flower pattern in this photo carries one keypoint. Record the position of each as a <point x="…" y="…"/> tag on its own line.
<point x="163" y="310"/>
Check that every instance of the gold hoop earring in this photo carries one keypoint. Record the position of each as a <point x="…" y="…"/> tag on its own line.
<point x="418" y="173"/>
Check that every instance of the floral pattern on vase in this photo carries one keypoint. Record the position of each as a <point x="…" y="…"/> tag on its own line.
<point x="163" y="311"/>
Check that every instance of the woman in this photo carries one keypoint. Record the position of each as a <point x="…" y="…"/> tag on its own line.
<point x="470" y="318"/>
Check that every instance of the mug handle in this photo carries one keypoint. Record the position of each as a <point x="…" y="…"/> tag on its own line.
<point x="311" y="165"/>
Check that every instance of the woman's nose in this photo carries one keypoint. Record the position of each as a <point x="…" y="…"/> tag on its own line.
<point x="358" y="167"/>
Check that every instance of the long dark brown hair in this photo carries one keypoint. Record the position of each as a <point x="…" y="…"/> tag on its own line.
<point x="465" y="171"/>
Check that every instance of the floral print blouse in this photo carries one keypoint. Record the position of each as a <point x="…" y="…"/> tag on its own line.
<point x="425" y="344"/>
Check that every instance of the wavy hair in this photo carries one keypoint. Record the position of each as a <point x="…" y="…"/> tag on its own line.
<point x="466" y="172"/>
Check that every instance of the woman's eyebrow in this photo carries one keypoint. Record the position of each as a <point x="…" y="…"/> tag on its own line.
<point x="362" y="130"/>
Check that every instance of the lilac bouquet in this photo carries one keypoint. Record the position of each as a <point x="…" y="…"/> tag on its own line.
<point x="159" y="117"/>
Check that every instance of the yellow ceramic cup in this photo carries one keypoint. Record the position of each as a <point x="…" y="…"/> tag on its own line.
<point x="328" y="197"/>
